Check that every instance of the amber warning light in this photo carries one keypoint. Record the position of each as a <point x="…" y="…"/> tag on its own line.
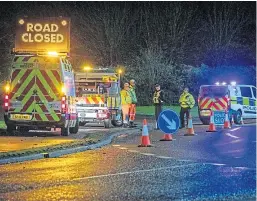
<point x="43" y="35"/>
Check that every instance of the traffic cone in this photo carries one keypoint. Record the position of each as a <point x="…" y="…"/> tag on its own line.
<point x="241" y="120"/>
<point x="167" y="137"/>
<point x="212" y="127"/>
<point x="145" y="140"/>
<point x="226" y="122"/>
<point x="190" y="129"/>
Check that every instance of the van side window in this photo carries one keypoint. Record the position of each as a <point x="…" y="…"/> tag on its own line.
<point x="246" y="92"/>
<point x="254" y="92"/>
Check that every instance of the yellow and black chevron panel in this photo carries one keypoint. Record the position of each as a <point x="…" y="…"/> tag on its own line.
<point x="38" y="92"/>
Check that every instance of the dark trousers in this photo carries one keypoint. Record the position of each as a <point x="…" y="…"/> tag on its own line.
<point x="182" y="114"/>
<point x="158" y="110"/>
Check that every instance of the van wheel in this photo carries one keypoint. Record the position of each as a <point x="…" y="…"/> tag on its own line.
<point x="24" y="130"/>
<point x="205" y="121"/>
<point x="237" y="116"/>
<point x="75" y="129"/>
<point x="82" y="123"/>
<point x="65" y="131"/>
<point x="107" y="123"/>
<point x="10" y="129"/>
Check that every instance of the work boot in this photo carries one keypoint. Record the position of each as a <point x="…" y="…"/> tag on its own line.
<point x="125" y="125"/>
<point x="131" y="124"/>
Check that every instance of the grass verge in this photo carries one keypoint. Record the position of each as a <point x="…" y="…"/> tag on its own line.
<point x="87" y="140"/>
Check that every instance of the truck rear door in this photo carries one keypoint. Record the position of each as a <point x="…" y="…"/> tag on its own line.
<point x="213" y="98"/>
<point x="22" y="94"/>
<point x="47" y="93"/>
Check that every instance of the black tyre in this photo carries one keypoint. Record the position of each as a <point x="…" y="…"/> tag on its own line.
<point x="24" y="130"/>
<point x="205" y="121"/>
<point x="75" y="129"/>
<point x="237" y="116"/>
<point x="117" y="123"/>
<point x="107" y="123"/>
<point x="82" y="123"/>
<point x="10" y="129"/>
<point x="65" y="131"/>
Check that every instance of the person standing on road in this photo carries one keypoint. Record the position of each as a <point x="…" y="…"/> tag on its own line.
<point x="158" y="99"/>
<point x="132" y="109"/>
<point x="126" y="101"/>
<point x="186" y="102"/>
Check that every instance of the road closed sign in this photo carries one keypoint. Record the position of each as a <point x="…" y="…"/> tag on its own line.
<point x="42" y="35"/>
<point x="219" y="117"/>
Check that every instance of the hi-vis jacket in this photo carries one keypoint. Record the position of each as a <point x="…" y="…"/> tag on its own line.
<point x="186" y="100"/>
<point x="133" y="94"/>
<point x="158" y="97"/>
<point x="125" y="97"/>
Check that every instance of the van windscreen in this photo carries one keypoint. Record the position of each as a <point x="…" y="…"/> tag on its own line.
<point x="213" y="91"/>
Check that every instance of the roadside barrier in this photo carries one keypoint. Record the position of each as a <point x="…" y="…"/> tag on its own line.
<point x="212" y="127"/>
<point x="226" y="122"/>
<point x="190" y="129"/>
<point x="145" y="140"/>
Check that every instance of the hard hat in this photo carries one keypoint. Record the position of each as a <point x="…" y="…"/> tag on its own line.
<point x="132" y="81"/>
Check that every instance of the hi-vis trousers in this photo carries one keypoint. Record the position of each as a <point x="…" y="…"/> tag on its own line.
<point x="132" y="112"/>
<point x="125" y="113"/>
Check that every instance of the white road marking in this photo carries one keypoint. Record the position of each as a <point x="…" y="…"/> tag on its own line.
<point x="245" y="168"/>
<point x="232" y="142"/>
<point x="134" y="172"/>
<point x="233" y="136"/>
<point x="133" y="151"/>
<point x="116" y="145"/>
<point x="165" y="157"/>
<point x="122" y="147"/>
<point x="216" y="164"/>
<point x="185" y="160"/>
<point x="235" y="129"/>
<point x="147" y="154"/>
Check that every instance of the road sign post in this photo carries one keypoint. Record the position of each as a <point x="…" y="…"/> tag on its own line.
<point x="168" y="122"/>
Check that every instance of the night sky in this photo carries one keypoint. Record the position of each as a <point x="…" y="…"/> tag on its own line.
<point x="125" y="33"/>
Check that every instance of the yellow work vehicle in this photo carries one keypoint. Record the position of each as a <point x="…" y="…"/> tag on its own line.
<point x="40" y="93"/>
<point x="98" y="97"/>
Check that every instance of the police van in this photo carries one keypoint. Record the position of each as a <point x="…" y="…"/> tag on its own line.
<point x="239" y="100"/>
<point x="40" y="95"/>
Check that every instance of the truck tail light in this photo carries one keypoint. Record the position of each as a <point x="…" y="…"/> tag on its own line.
<point x="6" y="102"/>
<point x="63" y="105"/>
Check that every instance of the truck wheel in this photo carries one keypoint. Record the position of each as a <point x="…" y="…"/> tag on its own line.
<point x="205" y="121"/>
<point x="107" y="123"/>
<point x="82" y="123"/>
<point x="10" y="129"/>
<point x="117" y="123"/>
<point x="75" y="129"/>
<point x="24" y="130"/>
<point x="65" y="131"/>
<point x="237" y="116"/>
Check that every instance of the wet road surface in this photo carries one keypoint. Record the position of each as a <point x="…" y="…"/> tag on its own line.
<point x="208" y="166"/>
